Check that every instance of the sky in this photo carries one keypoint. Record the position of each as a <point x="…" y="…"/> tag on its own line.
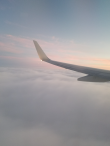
<point x="41" y="104"/>
<point x="73" y="31"/>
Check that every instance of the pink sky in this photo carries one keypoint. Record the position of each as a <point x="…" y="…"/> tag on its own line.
<point x="23" y="50"/>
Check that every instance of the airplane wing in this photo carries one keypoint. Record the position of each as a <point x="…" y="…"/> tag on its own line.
<point x="93" y="74"/>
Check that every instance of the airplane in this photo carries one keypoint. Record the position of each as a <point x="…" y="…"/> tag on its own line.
<point x="92" y="74"/>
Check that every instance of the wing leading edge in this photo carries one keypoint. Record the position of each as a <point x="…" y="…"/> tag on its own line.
<point x="93" y="74"/>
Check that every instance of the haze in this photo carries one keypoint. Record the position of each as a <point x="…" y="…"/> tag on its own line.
<point x="41" y="104"/>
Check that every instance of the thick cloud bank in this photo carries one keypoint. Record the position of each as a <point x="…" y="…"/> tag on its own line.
<point x="46" y="108"/>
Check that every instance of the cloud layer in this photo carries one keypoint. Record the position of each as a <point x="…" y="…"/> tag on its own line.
<point x="40" y="107"/>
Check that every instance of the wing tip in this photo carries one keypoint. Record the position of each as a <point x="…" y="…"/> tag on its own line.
<point x="40" y="52"/>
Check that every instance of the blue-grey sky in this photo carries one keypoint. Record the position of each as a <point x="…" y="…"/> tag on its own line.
<point x="72" y="19"/>
<point x="79" y="27"/>
<point x="41" y="104"/>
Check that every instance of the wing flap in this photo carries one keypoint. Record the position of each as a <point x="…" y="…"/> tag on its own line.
<point x="89" y="78"/>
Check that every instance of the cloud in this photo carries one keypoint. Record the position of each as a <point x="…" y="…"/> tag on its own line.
<point x="9" y="47"/>
<point x="15" y="24"/>
<point x="44" y="107"/>
<point x="25" y="42"/>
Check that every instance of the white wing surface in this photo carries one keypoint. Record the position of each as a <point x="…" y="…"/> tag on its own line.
<point x="93" y="74"/>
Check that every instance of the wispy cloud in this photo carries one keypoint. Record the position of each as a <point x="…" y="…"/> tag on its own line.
<point x="57" y="49"/>
<point x="15" y="24"/>
<point x="9" y="47"/>
<point x="25" y="42"/>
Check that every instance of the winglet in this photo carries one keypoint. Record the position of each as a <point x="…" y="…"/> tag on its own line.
<point x="40" y="52"/>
